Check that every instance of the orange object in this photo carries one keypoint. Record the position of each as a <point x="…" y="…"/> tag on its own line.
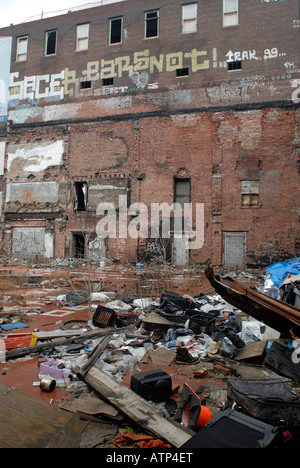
<point x="205" y="416"/>
<point x="20" y="340"/>
<point x="129" y="440"/>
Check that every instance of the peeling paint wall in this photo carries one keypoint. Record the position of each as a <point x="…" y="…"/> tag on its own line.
<point x="34" y="157"/>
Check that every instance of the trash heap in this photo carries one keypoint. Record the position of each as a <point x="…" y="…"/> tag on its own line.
<point x="185" y="331"/>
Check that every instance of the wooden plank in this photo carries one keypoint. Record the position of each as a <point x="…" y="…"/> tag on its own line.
<point x="138" y="410"/>
<point x="17" y="353"/>
<point x="27" y="422"/>
<point x="280" y="359"/>
<point x="251" y="351"/>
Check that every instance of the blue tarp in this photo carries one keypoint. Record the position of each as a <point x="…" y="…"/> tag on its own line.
<point x="280" y="270"/>
<point x="13" y="326"/>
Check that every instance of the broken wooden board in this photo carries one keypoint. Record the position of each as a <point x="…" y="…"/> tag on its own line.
<point x="91" y="405"/>
<point x="280" y="359"/>
<point x="138" y="410"/>
<point x="253" y="350"/>
<point x="27" y="422"/>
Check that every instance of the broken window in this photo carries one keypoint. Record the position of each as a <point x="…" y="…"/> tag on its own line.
<point x="85" y="85"/>
<point x="50" y="48"/>
<point x="22" y="47"/>
<point x="230" y="12"/>
<point x="115" y="36"/>
<point x="250" y="193"/>
<point x="189" y="18"/>
<point x="182" y="72"/>
<point x="107" y="82"/>
<point x="151" y="24"/>
<point x="82" y="37"/>
<point x="232" y="66"/>
<point x="81" y="195"/>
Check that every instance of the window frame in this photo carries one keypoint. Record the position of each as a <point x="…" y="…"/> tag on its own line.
<point x="18" y="55"/>
<point x="183" y="19"/>
<point x="229" y="12"/>
<point x="87" y="37"/>
<point x="251" y="189"/>
<point x="121" y="30"/>
<point x="147" y="20"/>
<point x="47" y="34"/>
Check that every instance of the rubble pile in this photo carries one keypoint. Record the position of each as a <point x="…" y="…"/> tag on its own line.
<point x="203" y="334"/>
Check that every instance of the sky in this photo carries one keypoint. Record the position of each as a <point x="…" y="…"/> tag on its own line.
<point x="19" y="11"/>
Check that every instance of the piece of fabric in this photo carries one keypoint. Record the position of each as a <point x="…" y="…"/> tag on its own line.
<point x="129" y="440"/>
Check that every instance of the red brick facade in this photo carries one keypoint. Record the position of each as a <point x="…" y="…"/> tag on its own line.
<point x="233" y="135"/>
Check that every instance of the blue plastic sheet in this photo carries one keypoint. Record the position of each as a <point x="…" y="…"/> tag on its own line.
<point x="13" y="326"/>
<point x="280" y="270"/>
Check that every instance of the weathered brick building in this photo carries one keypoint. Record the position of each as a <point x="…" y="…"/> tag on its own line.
<point x="158" y="102"/>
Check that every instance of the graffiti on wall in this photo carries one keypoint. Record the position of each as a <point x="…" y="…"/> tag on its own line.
<point x="139" y="67"/>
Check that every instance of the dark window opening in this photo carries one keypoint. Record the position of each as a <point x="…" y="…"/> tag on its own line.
<point x="234" y="65"/>
<point x="78" y="246"/>
<point x="182" y="72"/>
<point x="85" y="85"/>
<point x="51" y="43"/>
<point x="152" y="24"/>
<point x="107" y="81"/>
<point x="81" y="196"/>
<point x="116" y="31"/>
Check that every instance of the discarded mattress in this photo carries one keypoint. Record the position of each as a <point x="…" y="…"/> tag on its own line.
<point x="267" y="400"/>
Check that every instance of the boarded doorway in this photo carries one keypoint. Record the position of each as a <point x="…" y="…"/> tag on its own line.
<point x="234" y="249"/>
<point x="180" y="246"/>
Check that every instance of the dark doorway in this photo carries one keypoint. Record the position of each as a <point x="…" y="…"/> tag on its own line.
<point x="78" y="246"/>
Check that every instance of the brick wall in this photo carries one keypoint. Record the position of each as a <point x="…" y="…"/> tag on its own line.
<point x="213" y="127"/>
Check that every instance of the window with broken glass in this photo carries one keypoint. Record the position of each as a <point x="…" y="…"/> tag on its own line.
<point x="51" y="39"/>
<point x="250" y="194"/>
<point x="81" y="196"/>
<point x="151" y="24"/>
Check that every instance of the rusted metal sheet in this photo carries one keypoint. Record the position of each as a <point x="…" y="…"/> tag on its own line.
<point x="275" y="313"/>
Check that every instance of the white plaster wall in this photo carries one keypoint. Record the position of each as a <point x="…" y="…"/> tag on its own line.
<point x="36" y="157"/>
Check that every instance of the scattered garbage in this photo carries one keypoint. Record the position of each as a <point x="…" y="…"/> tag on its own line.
<point x="202" y="334"/>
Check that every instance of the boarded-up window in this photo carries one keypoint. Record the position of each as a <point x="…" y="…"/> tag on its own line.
<point x="22" y="46"/>
<point x="82" y="37"/>
<point x="250" y="193"/>
<point x="28" y="242"/>
<point x="189" y="18"/>
<point x="234" y="249"/>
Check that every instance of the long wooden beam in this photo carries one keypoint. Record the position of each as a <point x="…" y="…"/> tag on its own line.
<point x="136" y="408"/>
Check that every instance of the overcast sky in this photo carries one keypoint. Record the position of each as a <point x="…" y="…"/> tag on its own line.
<point x="19" y="11"/>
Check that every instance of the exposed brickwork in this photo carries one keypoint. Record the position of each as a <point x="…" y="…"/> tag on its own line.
<point x="213" y="127"/>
